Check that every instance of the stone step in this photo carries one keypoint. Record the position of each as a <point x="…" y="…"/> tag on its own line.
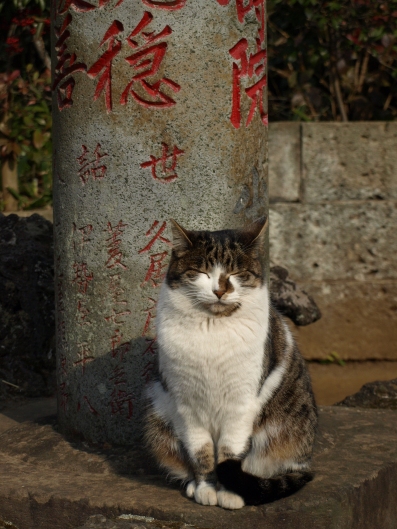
<point x="48" y="482"/>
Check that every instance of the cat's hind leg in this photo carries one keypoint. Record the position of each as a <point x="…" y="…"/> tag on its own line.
<point x="166" y="447"/>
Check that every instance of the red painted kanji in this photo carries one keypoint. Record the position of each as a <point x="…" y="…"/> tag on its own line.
<point x="63" y="370"/>
<point x="169" y="5"/>
<point x="113" y="245"/>
<point x="83" y="313"/>
<point x="158" y="236"/>
<point x="119" y="350"/>
<point x="116" y="289"/>
<point x="163" y="168"/>
<point x="90" y="406"/>
<point x="117" y="317"/>
<point x="121" y="401"/>
<point x="91" y="164"/>
<point x="250" y="65"/>
<point x="82" y="276"/>
<point x="155" y="273"/>
<point x="81" y="6"/>
<point x="61" y="331"/>
<point x="84" y="355"/>
<point x="103" y="3"/>
<point x="150" y="315"/>
<point x="103" y="66"/>
<point x="64" y="396"/>
<point x="148" y="370"/>
<point x="83" y="235"/>
<point x="66" y="65"/>
<point x="146" y="62"/>
<point x="116" y="341"/>
<point x="151" y="348"/>
<point x="244" y="7"/>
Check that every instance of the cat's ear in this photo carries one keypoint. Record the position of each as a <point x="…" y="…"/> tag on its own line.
<point x="180" y="237"/>
<point x="254" y="233"/>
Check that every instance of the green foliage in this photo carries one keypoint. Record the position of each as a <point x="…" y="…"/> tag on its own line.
<point x="332" y="60"/>
<point x="25" y="98"/>
<point x="333" y="358"/>
<point x="25" y="133"/>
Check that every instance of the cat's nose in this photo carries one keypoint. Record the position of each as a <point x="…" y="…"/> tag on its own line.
<point x="219" y="293"/>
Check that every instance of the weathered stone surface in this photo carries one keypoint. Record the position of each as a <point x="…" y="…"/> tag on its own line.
<point x="133" y="149"/>
<point x="284" y="162"/>
<point x="48" y="478"/>
<point x="27" y="327"/>
<point x="339" y="241"/>
<point x="131" y="521"/>
<point x="7" y="525"/>
<point x="379" y="395"/>
<point x="349" y="161"/>
<point x="291" y="300"/>
<point x="359" y="320"/>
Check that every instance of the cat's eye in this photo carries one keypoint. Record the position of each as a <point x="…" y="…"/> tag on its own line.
<point x="244" y="275"/>
<point x="191" y="273"/>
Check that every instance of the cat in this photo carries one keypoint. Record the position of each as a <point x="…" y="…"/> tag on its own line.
<point x="232" y="412"/>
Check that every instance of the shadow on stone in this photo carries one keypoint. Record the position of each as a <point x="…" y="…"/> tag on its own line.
<point x="27" y="321"/>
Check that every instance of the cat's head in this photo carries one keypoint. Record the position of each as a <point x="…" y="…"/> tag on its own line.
<point x="217" y="270"/>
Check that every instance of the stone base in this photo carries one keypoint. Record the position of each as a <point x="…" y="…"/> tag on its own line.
<point x="48" y="482"/>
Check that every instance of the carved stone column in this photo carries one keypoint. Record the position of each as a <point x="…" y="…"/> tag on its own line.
<point x="160" y="111"/>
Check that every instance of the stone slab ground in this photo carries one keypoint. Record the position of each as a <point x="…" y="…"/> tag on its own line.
<point x="48" y="482"/>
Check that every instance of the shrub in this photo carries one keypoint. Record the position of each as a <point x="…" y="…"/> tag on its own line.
<point x="25" y="98"/>
<point x="332" y="60"/>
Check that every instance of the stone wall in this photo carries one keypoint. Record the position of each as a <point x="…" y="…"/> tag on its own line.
<point x="333" y="194"/>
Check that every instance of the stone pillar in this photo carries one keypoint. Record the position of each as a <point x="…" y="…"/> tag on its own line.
<point x="160" y="111"/>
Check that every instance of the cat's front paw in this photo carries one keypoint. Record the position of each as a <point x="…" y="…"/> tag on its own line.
<point x="229" y="500"/>
<point x="191" y="489"/>
<point x="205" y="494"/>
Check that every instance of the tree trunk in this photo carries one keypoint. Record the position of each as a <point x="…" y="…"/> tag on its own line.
<point x="9" y="175"/>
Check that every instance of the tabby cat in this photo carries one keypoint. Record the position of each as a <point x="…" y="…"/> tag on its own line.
<point x="232" y="412"/>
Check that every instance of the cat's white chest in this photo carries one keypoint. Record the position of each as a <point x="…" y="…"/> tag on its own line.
<point x="212" y="366"/>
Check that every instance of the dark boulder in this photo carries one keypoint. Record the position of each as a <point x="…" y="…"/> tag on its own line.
<point x="374" y="395"/>
<point x="290" y="299"/>
<point x="27" y="315"/>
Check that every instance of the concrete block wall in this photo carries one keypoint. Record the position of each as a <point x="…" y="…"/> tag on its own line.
<point x="333" y="215"/>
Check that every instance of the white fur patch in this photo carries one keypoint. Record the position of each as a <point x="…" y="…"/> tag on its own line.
<point x="212" y="365"/>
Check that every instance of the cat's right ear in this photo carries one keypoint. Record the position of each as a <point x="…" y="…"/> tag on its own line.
<point x="180" y="238"/>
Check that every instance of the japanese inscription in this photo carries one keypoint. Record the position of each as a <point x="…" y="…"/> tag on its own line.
<point x="66" y="65"/>
<point x="250" y="66"/>
<point x="146" y="61"/>
<point x="147" y="86"/>
<point x="154" y="275"/>
<point x="163" y="168"/>
<point x="91" y="164"/>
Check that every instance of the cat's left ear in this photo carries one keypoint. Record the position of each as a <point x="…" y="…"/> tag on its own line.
<point x="256" y="231"/>
<point x="180" y="238"/>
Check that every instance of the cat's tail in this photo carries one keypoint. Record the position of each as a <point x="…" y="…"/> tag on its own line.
<point x="256" y="491"/>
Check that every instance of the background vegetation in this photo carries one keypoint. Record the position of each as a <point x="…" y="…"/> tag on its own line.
<point x="332" y="60"/>
<point x="328" y="61"/>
